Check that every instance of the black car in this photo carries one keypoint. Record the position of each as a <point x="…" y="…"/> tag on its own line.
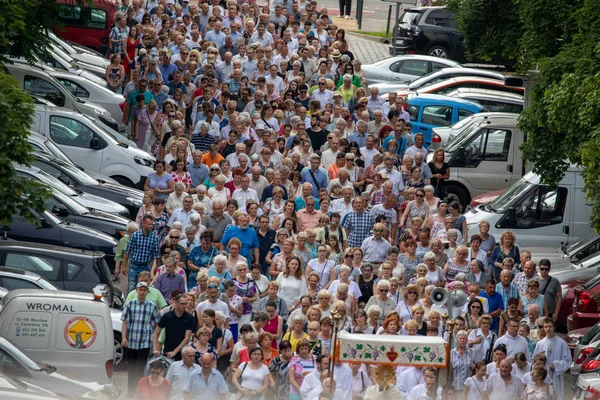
<point x="77" y="179"/>
<point x="69" y="210"/>
<point x="51" y="230"/>
<point x="432" y="31"/>
<point x="67" y="269"/>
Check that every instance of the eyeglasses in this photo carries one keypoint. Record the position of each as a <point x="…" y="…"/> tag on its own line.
<point x="174" y="237"/>
<point x="349" y="159"/>
<point x="412" y="292"/>
<point x="171" y="116"/>
<point x="214" y="170"/>
<point x="321" y="83"/>
<point x="349" y="255"/>
<point x="544" y="268"/>
<point x="476" y="307"/>
<point x="311" y="205"/>
<point x="213" y="286"/>
<point x="384" y="290"/>
<point x="420" y="195"/>
<point x="378" y="230"/>
<point x="185" y="54"/>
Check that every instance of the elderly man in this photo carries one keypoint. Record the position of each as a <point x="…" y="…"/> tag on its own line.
<point x="369" y="151"/>
<point x="521" y="279"/>
<point x="425" y="170"/>
<point x="197" y="170"/>
<point x="213" y="302"/>
<point x="533" y="313"/>
<point x="240" y="149"/>
<point x="504" y="386"/>
<point x="315" y="175"/>
<point x="308" y="217"/>
<point x="342" y="180"/>
<point x="506" y="288"/>
<point x="206" y="382"/>
<point x="183" y="214"/>
<point x="358" y="223"/>
<point x="360" y="136"/>
<point x="374" y="126"/>
<point x="268" y="191"/>
<point x="215" y="35"/>
<point x="417" y="147"/>
<point x="247" y="236"/>
<point x="375" y="247"/>
<point x="202" y="198"/>
<point x="344" y="205"/>
<point x="375" y="102"/>
<point x="153" y="295"/>
<point x="218" y="221"/>
<point x="300" y="201"/>
<point x="388" y="210"/>
<point x="329" y="155"/>
<point x="179" y="372"/>
<point x="258" y="182"/>
<point x="322" y="94"/>
<point x="245" y="193"/>
<point x="392" y="173"/>
<point x="513" y="342"/>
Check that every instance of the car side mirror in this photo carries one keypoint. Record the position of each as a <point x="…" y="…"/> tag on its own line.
<point x="43" y="223"/>
<point x="60" y="210"/>
<point x="95" y="144"/>
<point x="65" y="179"/>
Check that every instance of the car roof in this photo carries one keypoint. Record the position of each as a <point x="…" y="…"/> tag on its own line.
<point x="47" y="249"/>
<point x="437" y="98"/>
<point x="425" y="8"/>
<point x="48" y="294"/>
<point x="479" y="79"/>
<point x="488" y="93"/>
<point x="420" y="57"/>
<point x="466" y="71"/>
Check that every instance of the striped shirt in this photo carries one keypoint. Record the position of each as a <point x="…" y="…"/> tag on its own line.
<point x="507" y="293"/>
<point x="141" y="318"/>
<point x="142" y="248"/>
<point x="200" y="142"/>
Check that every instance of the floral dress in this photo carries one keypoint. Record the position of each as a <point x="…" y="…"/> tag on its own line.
<point x="415" y="211"/>
<point x="201" y="259"/>
<point x="160" y="226"/>
<point x="282" y="383"/>
<point x="273" y="210"/>
<point x="245" y="289"/>
<point x="186" y="179"/>
<point x="410" y="266"/>
<point x="210" y="350"/>
<point x="535" y="392"/>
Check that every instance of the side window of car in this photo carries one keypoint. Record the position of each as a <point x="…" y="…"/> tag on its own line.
<point x="43" y="88"/>
<point x="46" y="267"/>
<point x="394" y="67"/>
<point x="414" y="67"/>
<point x="436" y="17"/>
<point x="437" y="115"/>
<point x="70" y="132"/>
<point x="413" y="111"/>
<point x="462" y="114"/>
<point x="76" y="89"/>
<point x="73" y="270"/>
<point x="14" y="283"/>
<point x="488" y="145"/>
<point x="436" y="66"/>
<point x="541" y="207"/>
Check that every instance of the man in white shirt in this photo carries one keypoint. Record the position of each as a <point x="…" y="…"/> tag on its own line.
<point x="344" y="205"/>
<point x="375" y="101"/>
<point x="392" y="174"/>
<point x="179" y="372"/>
<point x="183" y="214"/>
<point x="277" y="81"/>
<point x="313" y="379"/>
<point x="245" y="193"/>
<point x="504" y="386"/>
<point x="322" y="94"/>
<point x="240" y="148"/>
<point x="429" y="389"/>
<point x="369" y="151"/>
<point x="375" y="247"/>
<point x="342" y="179"/>
<point x="328" y="156"/>
<point x="212" y="301"/>
<point x="513" y="342"/>
<point x="417" y="147"/>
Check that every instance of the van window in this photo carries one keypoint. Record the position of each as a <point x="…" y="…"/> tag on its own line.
<point x="488" y="145"/>
<point x="73" y="270"/>
<point x="437" y="115"/>
<point x="414" y="67"/>
<point x="84" y="17"/>
<point x="70" y="132"/>
<point x="442" y="18"/>
<point x="46" y="267"/>
<point x="499" y="106"/>
<point x="10" y="366"/>
<point x="413" y="111"/>
<point x="76" y="89"/>
<point x="43" y="88"/>
<point x="542" y="206"/>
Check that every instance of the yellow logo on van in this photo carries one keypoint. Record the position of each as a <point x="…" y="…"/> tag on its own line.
<point x="80" y="333"/>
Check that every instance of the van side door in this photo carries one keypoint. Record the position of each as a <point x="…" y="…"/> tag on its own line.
<point x="483" y="161"/>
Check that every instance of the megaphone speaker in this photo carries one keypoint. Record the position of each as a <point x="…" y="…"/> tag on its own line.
<point x="458" y="299"/>
<point x="439" y="296"/>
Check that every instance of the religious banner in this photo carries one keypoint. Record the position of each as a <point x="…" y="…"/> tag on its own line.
<point x="422" y="351"/>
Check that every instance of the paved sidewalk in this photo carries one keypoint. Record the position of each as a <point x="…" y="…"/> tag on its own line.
<point x="367" y="51"/>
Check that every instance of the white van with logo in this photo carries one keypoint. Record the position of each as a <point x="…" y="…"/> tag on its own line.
<point x="538" y="215"/>
<point x="68" y="330"/>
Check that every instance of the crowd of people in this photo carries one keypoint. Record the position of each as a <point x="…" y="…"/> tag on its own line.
<point x="285" y="190"/>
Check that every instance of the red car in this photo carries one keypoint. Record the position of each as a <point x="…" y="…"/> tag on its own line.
<point x="87" y="23"/>
<point x="585" y="305"/>
<point x="566" y="308"/>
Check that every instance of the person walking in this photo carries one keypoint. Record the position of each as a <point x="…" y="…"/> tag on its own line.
<point x="140" y="317"/>
<point x="206" y="382"/>
<point x="141" y="252"/>
<point x="558" y="355"/>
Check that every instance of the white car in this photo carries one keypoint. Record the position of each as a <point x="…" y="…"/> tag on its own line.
<point x="492" y="100"/>
<point x="587" y="387"/>
<point x="405" y="69"/>
<point x="82" y="55"/>
<point x="85" y="89"/>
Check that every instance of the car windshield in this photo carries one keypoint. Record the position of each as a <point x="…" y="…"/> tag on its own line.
<point x="583" y="242"/>
<point x="590" y="335"/>
<point x="507" y="199"/>
<point x="84" y="178"/>
<point x="10" y="351"/>
<point x="54" y="183"/>
<point x="73" y="206"/>
<point x="461" y="138"/>
<point x="110" y="132"/>
<point x="57" y="152"/>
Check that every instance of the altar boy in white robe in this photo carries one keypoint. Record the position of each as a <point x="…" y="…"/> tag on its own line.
<point x="558" y="354"/>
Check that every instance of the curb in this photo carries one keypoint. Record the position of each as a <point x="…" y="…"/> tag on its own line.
<point x="370" y="38"/>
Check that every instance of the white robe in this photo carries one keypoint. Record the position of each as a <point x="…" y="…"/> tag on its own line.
<point x="392" y="393"/>
<point x="408" y="379"/>
<point x="419" y="392"/>
<point x="557" y="351"/>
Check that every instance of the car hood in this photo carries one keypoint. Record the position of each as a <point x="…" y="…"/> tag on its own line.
<point x="98" y="203"/>
<point x="91" y="235"/>
<point x="101" y="178"/>
<point x="123" y="190"/>
<point x="486" y="197"/>
<point x="87" y="74"/>
<point x="101" y="215"/>
<point x="91" y="59"/>
<point x="572" y="277"/>
<point x="73" y="384"/>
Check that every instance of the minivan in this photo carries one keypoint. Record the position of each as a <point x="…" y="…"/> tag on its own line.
<point x="429" y="110"/>
<point x="40" y="83"/>
<point x="68" y="330"/>
<point x="537" y="214"/>
<point x="93" y="146"/>
<point x="87" y="23"/>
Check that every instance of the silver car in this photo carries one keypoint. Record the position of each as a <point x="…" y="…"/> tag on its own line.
<point x="85" y="56"/>
<point x="492" y="100"/>
<point x="587" y="387"/>
<point x="405" y="69"/>
<point x="586" y="344"/>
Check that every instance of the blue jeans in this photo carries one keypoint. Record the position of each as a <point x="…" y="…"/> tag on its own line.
<point x="132" y="275"/>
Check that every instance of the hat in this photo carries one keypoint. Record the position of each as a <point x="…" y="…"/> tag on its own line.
<point x="322" y="60"/>
<point x="260" y="127"/>
<point x="170" y="1"/>
<point x="337" y="93"/>
<point x="336" y="53"/>
<point x="142" y="51"/>
<point x="142" y="284"/>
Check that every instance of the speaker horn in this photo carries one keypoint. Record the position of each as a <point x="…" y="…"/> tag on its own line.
<point x="439" y="296"/>
<point x="458" y="299"/>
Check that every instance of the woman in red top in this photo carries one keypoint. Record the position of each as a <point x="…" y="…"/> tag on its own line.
<point x="274" y="325"/>
<point x="180" y="174"/>
<point x="131" y="44"/>
<point x="154" y="386"/>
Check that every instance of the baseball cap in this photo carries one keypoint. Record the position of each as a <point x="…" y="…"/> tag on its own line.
<point x="142" y="284"/>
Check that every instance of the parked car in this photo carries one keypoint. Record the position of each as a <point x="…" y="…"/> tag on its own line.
<point x="77" y="179"/>
<point x="591" y="365"/>
<point x="50" y="229"/>
<point x="492" y="100"/>
<point x="80" y="54"/>
<point x="45" y="145"/>
<point x="429" y="111"/>
<point x="40" y="83"/>
<point x="93" y="146"/>
<point x="587" y="387"/>
<point x="582" y="343"/>
<point x="16" y="389"/>
<point x="66" y="268"/>
<point x="431" y="31"/>
<point x="87" y="90"/>
<point x="585" y="305"/>
<point x="97" y="71"/>
<point x="568" y="285"/>
<point x="87" y="200"/>
<point x="405" y="69"/>
<point x="439" y="76"/>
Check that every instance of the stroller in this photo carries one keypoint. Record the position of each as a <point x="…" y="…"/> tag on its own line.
<point x="164" y="360"/>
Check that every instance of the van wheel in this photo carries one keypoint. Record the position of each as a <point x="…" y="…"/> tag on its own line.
<point x="118" y="349"/>
<point x="460" y="193"/>
<point x="123" y="181"/>
<point x="438" y="51"/>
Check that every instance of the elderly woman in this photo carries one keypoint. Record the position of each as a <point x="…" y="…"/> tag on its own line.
<point x="296" y="333"/>
<point x="201" y="256"/>
<point x="395" y="293"/>
<point x="247" y="290"/>
<point x="409" y="259"/>
<point x="346" y="321"/>
<point x="416" y="208"/>
<point x="457" y="264"/>
<point x="344" y="277"/>
<point x="201" y="283"/>
<point x="175" y="199"/>
<point x="366" y="282"/>
<point x="507" y="248"/>
<point x="488" y="241"/>
<point x="275" y="205"/>
<point x="373" y="313"/>
<point x="382" y="300"/>
<point x="461" y="360"/>
<point x="342" y="294"/>
<point x="452" y="236"/>
<point x="234" y="257"/>
<point x="219" y="270"/>
<point x="410" y="295"/>
<point x="214" y="171"/>
<point x="219" y="192"/>
<point x="477" y="273"/>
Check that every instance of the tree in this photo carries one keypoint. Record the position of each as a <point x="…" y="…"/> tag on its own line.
<point x="24" y="33"/>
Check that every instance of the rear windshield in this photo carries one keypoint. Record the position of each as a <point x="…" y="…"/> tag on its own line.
<point x="102" y="270"/>
<point x="591" y="334"/>
<point x="592" y="282"/>
<point x="411" y="17"/>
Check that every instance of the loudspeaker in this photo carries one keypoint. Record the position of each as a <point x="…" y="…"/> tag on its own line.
<point x="457" y="299"/>
<point x="439" y="296"/>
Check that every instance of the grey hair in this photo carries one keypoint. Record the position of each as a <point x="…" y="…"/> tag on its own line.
<point x="383" y="284"/>
<point x="298" y="317"/>
<point x="452" y="232"/>
<point x="242" y="156"/>
<point x="195" y="217"/>
<point x="344" y="268"/>
<point x="220" y="258"/>
<point x="430" y="255"/>
<point x="190" y="228"/>
<point x="428" y="188"/>
<point x="179" y="185"/>
<point x="374" y="308"/>
<point x="221" y="178"/>
<point x="201" y="189"/>
<point x="188" y="347"/>
<point x="132" y="227"/>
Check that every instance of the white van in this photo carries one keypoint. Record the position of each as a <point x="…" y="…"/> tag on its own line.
<point x="538" y="215"/>
<point x="68" y="330"/>
<point x="485" y="156"/>
<point x="93" y="146"/>
<point x="40" y="83"/>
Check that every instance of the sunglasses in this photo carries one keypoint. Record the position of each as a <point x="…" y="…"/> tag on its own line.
<point x="476" y="307"/>
<point x="213" y="286"/>
<point x="174" y="237"/>
<point x="321" y="84"/>
<point x="412" y="292"/>
<point x="172" y="116"/>
<point x="420" y="195"/>
<point x="544" y="269"/>
<point x="349" y="256"/>
<point x="214" y="170"/>
<point x="378" y="230"/>
<point x="384" y="290"/>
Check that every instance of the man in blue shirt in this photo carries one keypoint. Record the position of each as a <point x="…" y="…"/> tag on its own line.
<point x="247" y="236"/>
<point x="132" y="102"/>
<point x="197" y="170"/>
<point x="495" y="303"/>
<point x="216" y="36"/>
<point x="166" y="68"/>
<point x="176" y="83"/>
<point x="315" y="175"/>
<point x="205" y="383"/>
